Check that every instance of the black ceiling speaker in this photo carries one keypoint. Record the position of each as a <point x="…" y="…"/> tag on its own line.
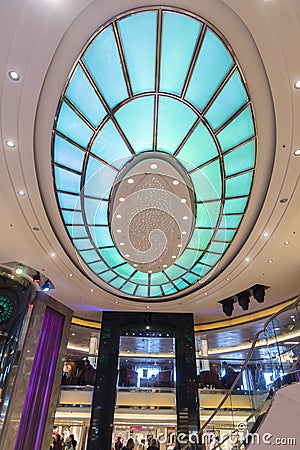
<point x="227" y="306"/>
<point x="258" y="292"/>
<point x="244" y="300"/>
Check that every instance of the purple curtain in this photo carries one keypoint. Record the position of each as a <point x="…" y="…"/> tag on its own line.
<point x="34" y="415"/>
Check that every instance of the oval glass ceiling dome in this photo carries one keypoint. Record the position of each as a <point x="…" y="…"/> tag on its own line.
<point x="153" y="153"/>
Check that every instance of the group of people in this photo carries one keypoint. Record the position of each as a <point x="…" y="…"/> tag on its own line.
<point x="59" y="443"/>
<point x="152" y="444"/>
<point x="85" y="375"/>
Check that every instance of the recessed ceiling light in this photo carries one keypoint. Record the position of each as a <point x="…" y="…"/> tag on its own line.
<point x="119" y="231"/>
<point x="122" y="243"/>
<point x="10" y="143"/>
<point x="227" y="279"/>
<point x="297" y="84"/>
<point x="149" y="271"/>
<point x="52" y="254"/>
<point x="247" y="259"/>
<point x="70" y="274"/>
<point x="153" y="166"/>
<point x="135" y="265"/>
<point x="183" y="200"/>
<point x="297" y="152"/>
<point x="73" y="334"/>
<point x="116" y="302"/>
<point x="185" y="217"/>
<point x="126" y="255"/>
<point x="21" y="193"/>
<point x="147" y="308"/>
<point x="130" y="181"/>
<point x="205" y="293"/>
<point x="91" y="290"/>
<point x="266" y="234"/>
<point x="175" y="182"/>
<point x="174" y="257"/>
<point x="179" y="245"/>
<point x="183" y="232"/>
<point x="270" y="260"/>
<point x="122" y="199"/>
<point x="165" y="265"/>
<point x="13" y="75"/>
<point x="286" y="242"/>
<point x="118" y="216"/>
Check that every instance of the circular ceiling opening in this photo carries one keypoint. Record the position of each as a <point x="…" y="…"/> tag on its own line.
<point x="153" y="153"/>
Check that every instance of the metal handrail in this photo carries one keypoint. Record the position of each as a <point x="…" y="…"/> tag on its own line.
<point x="229" y="392"/>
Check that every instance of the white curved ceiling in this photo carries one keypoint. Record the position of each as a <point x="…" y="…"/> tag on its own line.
<point x="41" y="40"/>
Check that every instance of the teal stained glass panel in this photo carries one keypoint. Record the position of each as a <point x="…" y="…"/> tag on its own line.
<point x="98" y="266"/>
<point x="180" y="284"/>
<point x="89" y="256"/>
<point x="77" y="232"/>
<point x="191" y="278"/>
<point x="208" y="182"/>
<point x="103" y="62"/>
<point x="218" y="247"/>
<point x="174" y="271"/>
<point x="225" y="235"/>
<point x="174" y="121"/>
<point x="136" y="121"/>
<point x="138" y="34"/>
<point x="199" y="148"/>
<point x="72" y="126"/>
<point x="210" y="259"/>
<point x="117" y="282"/>
<point x="205" y="238"/>
<point x="107" y="276"/>
<point x="235" y="205"/>
<point x="207" y="215"/>
<point x="240" y="184"/>
<point x="82" y="244"/>
<point x="66" y="180"/>
<point x="229" y="101"/>
<point x="155" y="291"/>
<point x="128" y="288"/>
<point x="158" y="278"/>
<point x="188" y="258"/>
<point x="69" y="201"/>
<point x="231" y="221"/>
<point x="195" y="239"/>
<point x="217" y="61"/>
<point x="111" y="256"/>
<point x="177" y="50"/>
<point x="201" y="270"/>
<point x="169" y="289"/>
<point x="126" y="270"/>
<point x="72" y="218"/>
<point x="240" y="159"/>
<point x="67" y="154"/>
<point x="140" y="278"/>
<point x="99" y="179"/>
<point x="96" y="211"/>
<point x="142" y="291"/>
<point x="110" y="146"/>
<point x="237" y="131"/>
<point x="84" y="97"/>
<point x="101" y="236"/>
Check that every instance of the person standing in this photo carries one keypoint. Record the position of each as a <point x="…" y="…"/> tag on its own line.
<point x="259" y="378"/>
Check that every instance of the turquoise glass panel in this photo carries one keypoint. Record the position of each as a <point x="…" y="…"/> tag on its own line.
<point x="199" y="148"/>
<point x="191" y="278"/>
<point x="82" y="244"/>
<point x="208" y="182"/>
<point x="128" y="288"/>
<point x="126" y="270"/>
<point x="225" y="235"/>
<point x="98" y="266"/>
<point x="237" y="131"/>
<point x="217" y="61"/>
<point x="72" y="126"/>
<point x="174" y="121"/>
<point x="99" y="179"/>
<point x="142" y="291"/>
<point x="66" y="180"/>
<point x="211" y="259"/>
<point x="207" y="215"/>
<point x="117" y="282"/>
<point x="169" y="289"/>
<point x="136" y="121"/>
<point x="235" y="205"/>
<point x="177" y="50"/>
<point x="68" y="201"/>
<point x="107" y="276"/>
<point x="229" y="101"/>
<point x="188" y="258"/>
<point x="77" y="232"/>
<point x="240" y="184"/>
<point x="205" y="237"/>
<point x="218" y="247"/>
<point x="103" y="62"/>
<point x="140" y="278"/>
<point x="231" y="221"/>
<point x="89" y="256"/>
<point x="96" y="211"/>
<point x="101" y="236"/>
<point x="201" y="270"/>
<point x="110" y="146"/>
<point x="67" y="155"/>
<point x="180" y="284"/>
<point x="174" y="271"/>
<point x="158" y="278"/>
<point x="84" y="97"/>
<point x="240" y="159"/>
<point x="111" y="256"/>
<point x="195" y="239"/>
<point x="138" y="35"/>
<point x="155" y="291"/>
<point x="72" y="218"/>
